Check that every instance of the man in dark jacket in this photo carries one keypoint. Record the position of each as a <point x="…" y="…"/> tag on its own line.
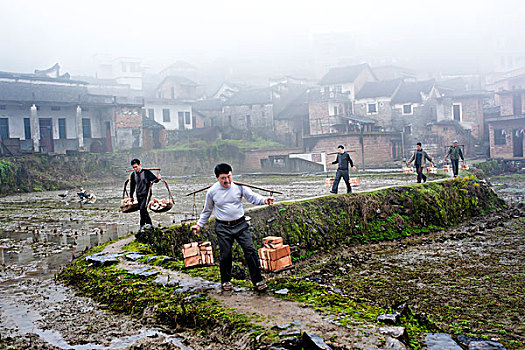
<point x="140" y="181"/>
<point x="455" y="153"/>
<point x="342" y="159"/>
<point x="418" y="157"/>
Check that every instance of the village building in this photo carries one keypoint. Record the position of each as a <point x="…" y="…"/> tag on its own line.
<point x="346" y="80"/>
<point x="170" y="113"/>
<point x="177" y="88"/>
<point x="251" y="111"/>
<point x="391" y="72"/>
<point x="506" y="131"/>
<point x="374" y="101"/>
<point x="55" y="115"/>
<point x="413" y="108"/>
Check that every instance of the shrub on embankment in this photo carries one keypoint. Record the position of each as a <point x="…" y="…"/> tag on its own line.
<point x="40" y="172"/>
<point x="326" y="222"/>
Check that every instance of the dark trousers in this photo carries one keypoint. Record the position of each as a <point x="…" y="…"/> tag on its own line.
<point x="455" y="166"/>
<point x="226" y="235"/>
<point x="420" y="175"/>
<point x="344" y="174"/>
<point x="144" y="215"/>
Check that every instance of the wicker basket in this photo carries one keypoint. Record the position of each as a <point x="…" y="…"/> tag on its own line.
<point x="165" y="208"/>
<point x="128" y="208"/>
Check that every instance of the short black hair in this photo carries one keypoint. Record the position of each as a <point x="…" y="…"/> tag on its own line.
<point x="341" y="147"/>
<point x="135" y="161"/>
<point x="222" y="168"/>
<point x="418" y="144"/>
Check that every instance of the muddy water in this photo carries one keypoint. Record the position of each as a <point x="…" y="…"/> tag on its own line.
<point x="41" y="232"/>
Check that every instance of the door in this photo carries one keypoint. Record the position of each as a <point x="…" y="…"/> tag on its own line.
<point x="46" y="135"/>
<point x="517" y="143"/>
<point x="516" y="104"/>
<point x="109" y="145"/>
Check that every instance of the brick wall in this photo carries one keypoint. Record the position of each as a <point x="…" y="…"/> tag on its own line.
<point x="377" y="147"/>
<point x="507" y="150"/>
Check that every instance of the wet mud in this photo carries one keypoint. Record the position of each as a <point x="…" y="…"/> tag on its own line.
<point x="42" y="232"/>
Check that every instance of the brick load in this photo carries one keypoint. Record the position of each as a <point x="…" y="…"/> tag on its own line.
<point x="464" y="166"/>
<point x="197" y="254"/>
<point x="274" y="255"/>
<point x="447" y="168"/>
<point x="431" y="170"/>
<point x="354" y="181"/>
<point x="408" y="170"/>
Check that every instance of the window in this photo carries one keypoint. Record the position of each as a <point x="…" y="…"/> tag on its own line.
<point x="27" y="128"/>
<point x="2" y="106"/>
<point x="248" y="121"/>
<point x="4" y="128"/>
<point x="335" y="110"/>
<point x="166" y="115"/>
<point x="151" y="113"/>
<point x="456" y="112"/>
<point x="371" y="108"/>
<point x="62" y="128"/>
<point x="230" y="120"/>
<point x="500" y="137"/>
<point x="86" y="128"/>
<point x="172" y="92"/>
<point x="55" y="108"/>
<point x="408" y="129"/>
<point x="187" y="118"/>
<point x="407" y="109"/>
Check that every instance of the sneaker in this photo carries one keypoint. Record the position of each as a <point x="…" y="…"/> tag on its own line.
<point x="226" y="286"/>
<point x="261" y="286"/>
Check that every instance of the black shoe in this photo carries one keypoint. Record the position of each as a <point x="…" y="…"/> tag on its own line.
<point x="333" y="192"/>
<point x="425" y="179"/>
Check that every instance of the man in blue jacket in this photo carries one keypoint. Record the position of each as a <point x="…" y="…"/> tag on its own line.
<point x="342" y="159"/>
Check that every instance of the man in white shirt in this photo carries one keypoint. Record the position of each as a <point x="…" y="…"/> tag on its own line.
<point x="224" y="198"/>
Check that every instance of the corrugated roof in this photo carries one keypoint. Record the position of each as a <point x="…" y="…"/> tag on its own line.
<point x="251" y="97"/>
<point x="343" y="74"/>
<point x="410" y="92"/>
<point x="378" y="89"/>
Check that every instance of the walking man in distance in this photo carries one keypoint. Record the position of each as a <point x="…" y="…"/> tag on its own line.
<point x="342" y="159"/>
<point x="418" y="157"/>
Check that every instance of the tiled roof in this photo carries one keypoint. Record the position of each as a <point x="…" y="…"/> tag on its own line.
<point x="251" y="97"/>
<point x="343" y="74"/>
<point x="378" y="89"/>
<point x="410" y="92"/>
<point x="213" y="104"/>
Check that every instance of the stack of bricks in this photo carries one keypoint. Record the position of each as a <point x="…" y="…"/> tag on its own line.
<point x="197" y="254"/>
<point x="274" y="255"/>
<point x="447" y="168"/>
<point x="464" y="166"/>
<point x="354" y="181"/>
<point x="431" y="170"/>
<point x="408" y="170"/>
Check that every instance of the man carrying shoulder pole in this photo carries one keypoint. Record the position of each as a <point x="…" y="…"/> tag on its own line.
<point x="455" y="153"/>
<point x="140" y="181"/>
<point x="224" y="199"/>
<point x="418" y="157"/>
<point x="342" y="159"/>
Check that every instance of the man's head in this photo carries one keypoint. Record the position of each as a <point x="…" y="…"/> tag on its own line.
<point x="223" y="172"/>
<point x="135" y="164"/>
<point x="455" y="142"/>
<point x="340" y="148"/>
<point x="418" y="146"/>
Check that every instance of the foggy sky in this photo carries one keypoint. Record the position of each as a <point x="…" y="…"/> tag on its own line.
<point x="36" y="34"/>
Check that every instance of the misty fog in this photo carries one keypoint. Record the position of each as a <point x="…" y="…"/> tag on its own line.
<point x="263" y="38"/>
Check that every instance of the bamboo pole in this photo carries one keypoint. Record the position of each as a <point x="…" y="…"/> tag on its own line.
<point x="237" y="183"/>
<point x="132" y="170"/>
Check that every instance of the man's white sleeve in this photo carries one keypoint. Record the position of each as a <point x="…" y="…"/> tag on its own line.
<point x="206" y="212"/>
<point x="251" y="196"/>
